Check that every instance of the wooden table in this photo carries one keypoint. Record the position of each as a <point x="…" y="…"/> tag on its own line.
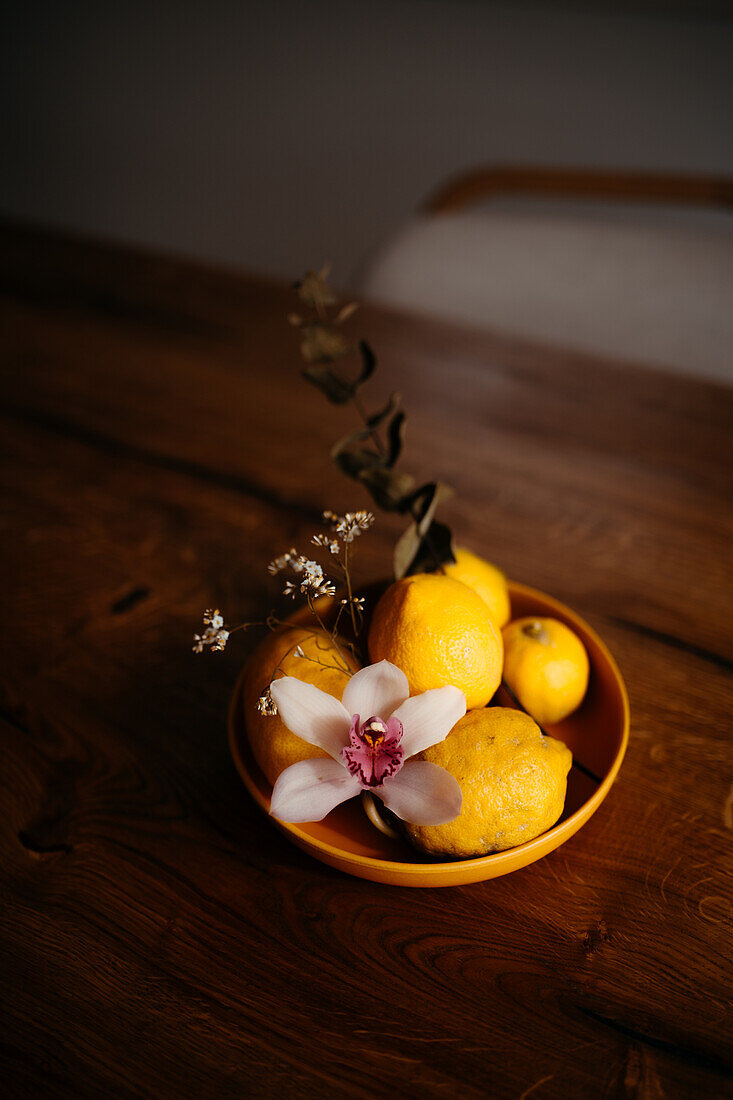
<point x="159" y="937"/>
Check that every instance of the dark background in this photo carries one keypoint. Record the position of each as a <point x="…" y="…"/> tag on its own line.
<point x="274" y="134"/>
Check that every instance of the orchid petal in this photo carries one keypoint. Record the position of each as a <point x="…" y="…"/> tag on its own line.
<point x="422" y="793"/>
<point x="310" y="789"/>
<point x="376" y="690"/>
<point x="319" y="718"/>
<point x="428" y="718"/>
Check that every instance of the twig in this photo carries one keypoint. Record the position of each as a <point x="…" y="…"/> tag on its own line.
<point x="348" y="589"/>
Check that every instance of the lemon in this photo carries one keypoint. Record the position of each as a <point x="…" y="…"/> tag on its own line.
<point x="485" y="579"/>
<point x="273" y="745"/>
<point x="546" y="666"/>
<point x="513" y="782"/>
<point x="439" y="632"/>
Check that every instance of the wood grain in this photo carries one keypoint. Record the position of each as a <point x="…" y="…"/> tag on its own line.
<point x="159" y="937"/>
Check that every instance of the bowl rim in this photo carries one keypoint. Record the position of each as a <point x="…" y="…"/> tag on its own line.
<point x="512" y="858"/>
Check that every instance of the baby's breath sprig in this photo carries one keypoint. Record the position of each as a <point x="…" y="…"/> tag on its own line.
<point x="311" y="580"/>
<point x="283" y="561"/>
<point x="331" y="545"/>
<point x="216" y="635"/>
<point x="347" y="528"/>
<point x="364" y="454"/>
<point x="266" y="704"/>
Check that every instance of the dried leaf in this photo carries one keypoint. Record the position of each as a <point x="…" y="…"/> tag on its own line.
<point x="354" y="460"/>
<point x="348" y="441"/>
<point x="421" y="499"/>
<point x="405" y="551"/>
<point x="368" y="363"/>
<point x="357" y="462"/>
<point x="390" y="490"/>
<point x="395" y="437"/>
<point x="314" y="290"/>
<point x="378" y="417"/>
<point x="322" y="343"/>
<point x="425" y="500"/>
<point x="335" y="388"/>
<point x="346" y="311"/>
<point x="435" y="549"/>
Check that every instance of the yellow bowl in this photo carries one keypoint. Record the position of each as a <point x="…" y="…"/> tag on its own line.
<point x="597" y="735"/>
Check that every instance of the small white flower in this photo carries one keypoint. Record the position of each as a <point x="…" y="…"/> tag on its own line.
<point x="351" y="524"/>
<point x="266" y="704"/>
<point x="364" y="519"/>
<point x="215" y="635"/>
<point x="359" y="602"/>
<point x="283" y="561"/>
<point x="329" y="544"/>
<point x="312" y="580"/>
<point x="312" y="573"/>
<point x="213" y="618"/>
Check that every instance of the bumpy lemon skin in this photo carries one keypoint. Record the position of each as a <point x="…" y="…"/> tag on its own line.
<point x="485" y="579"/>
<point x="439" y="632"/>
<point x="273" y="745"/>
<point x="547" y="670"/>
<point x="513" y="782"/>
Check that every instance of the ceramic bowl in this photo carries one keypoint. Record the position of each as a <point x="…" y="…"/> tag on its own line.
<point x="597" y="735"/>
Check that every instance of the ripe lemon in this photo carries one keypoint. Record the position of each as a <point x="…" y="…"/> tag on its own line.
<point x="513" y="782"/>
<point x="546" y="666"/>
<point x="273" y="745"/>
<point x="439" y="632"/>
<point x="484" y="578"/>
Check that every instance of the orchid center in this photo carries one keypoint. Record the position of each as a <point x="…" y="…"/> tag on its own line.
<point x="374" y="752"/>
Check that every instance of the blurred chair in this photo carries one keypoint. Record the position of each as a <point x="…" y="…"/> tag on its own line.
<point x="629" y="265"/>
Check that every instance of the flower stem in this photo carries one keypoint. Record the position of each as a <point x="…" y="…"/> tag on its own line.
<point x="356" y="402"/>
<point x="370" y="809"/>
<point x="380" y="447"/>
<point x="246" y="626"/>
<point x="321" y="623"/>
<point x="348" y="589"/>
<point x="321" y="664"/>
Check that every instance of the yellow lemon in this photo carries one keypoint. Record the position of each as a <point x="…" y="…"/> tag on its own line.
<point x="273" y="745"/>
<point x="484" y="578"/>
<point x="546" y="666"/>
<point x="439" y="632"/>
<point x="512" y="778"/>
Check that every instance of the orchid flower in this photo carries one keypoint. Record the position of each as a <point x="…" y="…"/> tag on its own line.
<point x="370" y="736"/>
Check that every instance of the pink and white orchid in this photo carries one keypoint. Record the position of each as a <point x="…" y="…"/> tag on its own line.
<point x="370" y="736"/>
